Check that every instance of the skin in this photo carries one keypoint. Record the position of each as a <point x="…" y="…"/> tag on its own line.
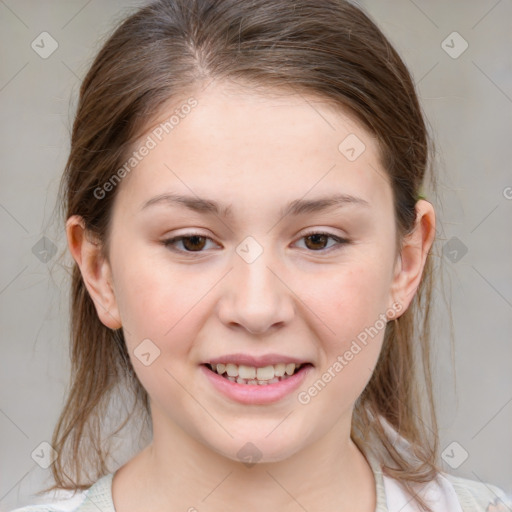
<point x="303" y="299"/>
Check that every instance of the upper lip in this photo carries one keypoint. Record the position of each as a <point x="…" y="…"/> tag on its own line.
<point x="256" y="361"/>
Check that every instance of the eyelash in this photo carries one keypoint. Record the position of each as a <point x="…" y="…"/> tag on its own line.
<point x="339" y="242"/>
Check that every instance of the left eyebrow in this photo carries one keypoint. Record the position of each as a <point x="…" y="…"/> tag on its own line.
<point x="296" y="207"/>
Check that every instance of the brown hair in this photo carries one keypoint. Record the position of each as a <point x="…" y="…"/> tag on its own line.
<point x="329" y="49"/>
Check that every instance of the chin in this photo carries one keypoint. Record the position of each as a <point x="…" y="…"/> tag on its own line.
<point x="256" y="450"/>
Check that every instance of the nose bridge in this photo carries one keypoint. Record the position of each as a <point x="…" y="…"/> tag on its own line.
<point x="255" y="297"/>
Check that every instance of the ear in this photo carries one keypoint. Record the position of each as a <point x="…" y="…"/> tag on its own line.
<point x="95" y="270"/>
<point x="415" y="248"/>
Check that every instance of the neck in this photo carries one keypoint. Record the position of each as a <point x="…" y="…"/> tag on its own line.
<point x="176" y="472"/>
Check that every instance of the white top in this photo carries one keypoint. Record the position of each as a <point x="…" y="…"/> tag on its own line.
<point x="447" y="493"/>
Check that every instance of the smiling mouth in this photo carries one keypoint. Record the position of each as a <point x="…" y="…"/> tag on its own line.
<point x="253" y="376"/>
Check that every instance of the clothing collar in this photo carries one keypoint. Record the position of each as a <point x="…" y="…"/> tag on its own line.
<point x="99" y="496"/>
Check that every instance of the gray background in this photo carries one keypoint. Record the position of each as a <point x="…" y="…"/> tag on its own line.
<point x="468" y="101"/>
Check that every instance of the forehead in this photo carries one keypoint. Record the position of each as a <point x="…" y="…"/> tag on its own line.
<point x="241" y="142"/>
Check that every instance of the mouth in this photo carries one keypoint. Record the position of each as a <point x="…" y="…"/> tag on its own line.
<point x="257" y="376"/>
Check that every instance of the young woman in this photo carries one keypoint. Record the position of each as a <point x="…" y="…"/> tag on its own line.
<point x="253" y="266"/>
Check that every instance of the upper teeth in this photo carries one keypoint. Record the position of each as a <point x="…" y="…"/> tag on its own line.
<point x="251" y="372"/>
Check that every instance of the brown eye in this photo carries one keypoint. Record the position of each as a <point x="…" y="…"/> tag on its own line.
<point x="316" y="241"/>
<point x="191" y="243"/>
<point x="194" y="243"/>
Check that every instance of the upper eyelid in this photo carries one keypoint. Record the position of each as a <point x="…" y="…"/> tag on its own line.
<point x="302" y="235"/>
<point x="340" y="240"/>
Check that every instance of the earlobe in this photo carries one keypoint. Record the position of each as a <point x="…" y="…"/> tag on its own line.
<point x="415" y="249"/>
<point x="95" y="270"/>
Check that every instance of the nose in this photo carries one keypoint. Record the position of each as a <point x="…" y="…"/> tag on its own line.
<point x="255" y="296"/>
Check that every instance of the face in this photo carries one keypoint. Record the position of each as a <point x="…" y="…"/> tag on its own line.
<point x="273" y="274"/>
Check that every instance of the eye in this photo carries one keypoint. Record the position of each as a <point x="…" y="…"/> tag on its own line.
<point x="316" y="240"/>
<point x="195" y="243"/>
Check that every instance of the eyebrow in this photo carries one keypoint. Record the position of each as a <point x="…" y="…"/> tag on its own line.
<point x="296" y="207"/>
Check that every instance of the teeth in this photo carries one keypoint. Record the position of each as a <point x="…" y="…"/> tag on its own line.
<point x="279" y="369"/>
<point x="290" y="368"/>
<point x="264" y="375"/>
<point x="232" y="370"/>
<point x="247" y="372"/>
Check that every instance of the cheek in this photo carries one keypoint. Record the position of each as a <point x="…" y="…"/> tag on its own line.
<point x="352" y="310"/>
<point x="351" y="305"/>
<point x="349" y="297"/>
<point x="159" y="309"/>
<point x="152" y="295"/>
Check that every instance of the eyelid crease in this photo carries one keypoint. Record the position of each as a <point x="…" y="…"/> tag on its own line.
<point x="340" y="241"/>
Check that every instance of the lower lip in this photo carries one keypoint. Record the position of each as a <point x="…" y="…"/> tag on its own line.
<point x="254" y="393"/>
